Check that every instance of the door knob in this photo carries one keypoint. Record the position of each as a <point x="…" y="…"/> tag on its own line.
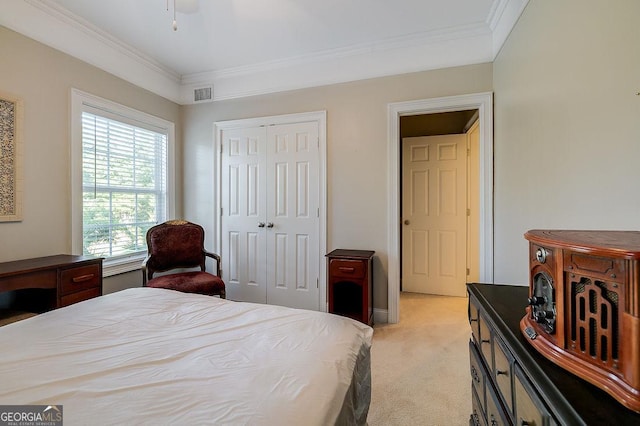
<point x="260" y="224"/>
<point x="406" y="222"/>
<point x="270" y="225"/>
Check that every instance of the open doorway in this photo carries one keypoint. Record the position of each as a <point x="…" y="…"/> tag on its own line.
<point x="439" y="202"/>
<point x="483" y="102"/>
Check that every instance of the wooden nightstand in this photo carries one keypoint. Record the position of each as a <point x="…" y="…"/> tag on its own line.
<point x="350" y="284"/>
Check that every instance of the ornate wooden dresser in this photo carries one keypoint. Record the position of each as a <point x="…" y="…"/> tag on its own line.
<point x="513" y="384"/>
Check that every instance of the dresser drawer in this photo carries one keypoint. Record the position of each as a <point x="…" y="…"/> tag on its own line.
<point x="477" y="415"/>
<point x="478" y="377"/>
<point x="80" y="278"/>
<point x="347" y="268"/>
<point x="485" y="342"/>
<point x="474" y="320"/>
<point x="503" y="372"/>
<point x="495" y="413"/>
<point x="529" y="410"/>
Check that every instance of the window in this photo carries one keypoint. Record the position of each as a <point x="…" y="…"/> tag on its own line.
<point x="121" y="180"/>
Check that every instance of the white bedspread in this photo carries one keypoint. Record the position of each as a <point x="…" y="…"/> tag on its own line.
<point x="153" y="356"/>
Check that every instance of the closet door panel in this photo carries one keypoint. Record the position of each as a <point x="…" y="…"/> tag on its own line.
<point x="293" y="167"/>
<point x="243" y="174"/>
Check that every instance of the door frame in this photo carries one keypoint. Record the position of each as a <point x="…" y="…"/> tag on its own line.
<point x="483" y="102"/>
<point x="317" y="116"/>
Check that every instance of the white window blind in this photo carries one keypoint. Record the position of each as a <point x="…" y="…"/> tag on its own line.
<point x="124" y="185"/>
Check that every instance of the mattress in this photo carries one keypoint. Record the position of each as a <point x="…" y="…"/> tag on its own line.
<point x="155" y="356"/>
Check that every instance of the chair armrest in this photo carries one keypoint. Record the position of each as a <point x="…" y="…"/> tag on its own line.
<point x="144" y="271"/>
<point x="218" y="260"/>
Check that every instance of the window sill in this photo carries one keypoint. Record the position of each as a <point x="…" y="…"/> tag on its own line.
<point x="121" y="266"/>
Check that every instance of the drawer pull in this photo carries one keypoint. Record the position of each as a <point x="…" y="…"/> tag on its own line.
<point x="475" y="375"/>
<point x="523" y="422"/>
<point x="346" y="269"/>
<point x="82" y="278"/>
<point x="473" y="319"/>
<point x="500" y="372"/>
<point x="485" y="341"/>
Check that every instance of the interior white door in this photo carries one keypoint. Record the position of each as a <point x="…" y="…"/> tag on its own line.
<point x="270" y="214"/>
<point x="293" y="257"/>
<point x="434" y="215"/>
<point x="244" y="213"/>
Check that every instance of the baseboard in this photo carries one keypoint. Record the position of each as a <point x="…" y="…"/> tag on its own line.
<point x="380" y="316"/>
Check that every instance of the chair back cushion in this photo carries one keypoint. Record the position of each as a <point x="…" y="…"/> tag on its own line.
<point x="175" y="244"/>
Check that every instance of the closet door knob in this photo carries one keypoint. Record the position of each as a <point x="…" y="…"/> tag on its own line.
<point x="260" y="224"/>
<point x="270" y="225"/>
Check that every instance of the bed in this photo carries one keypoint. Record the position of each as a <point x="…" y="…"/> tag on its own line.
<point x="155" y="356"/>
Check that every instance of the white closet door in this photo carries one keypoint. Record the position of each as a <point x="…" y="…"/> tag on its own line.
<point x="243" y="235"/>
<point x="270" y="226"/>
<point x="293" y="257"/>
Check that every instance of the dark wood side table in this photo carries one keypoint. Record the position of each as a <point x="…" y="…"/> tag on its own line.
<point x="350" y="284"/>
<point x="45" y="283"/>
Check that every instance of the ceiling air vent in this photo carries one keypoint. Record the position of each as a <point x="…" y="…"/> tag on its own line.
<point x="203" y="94"/>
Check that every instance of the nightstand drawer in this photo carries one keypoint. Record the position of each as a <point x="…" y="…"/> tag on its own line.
<point x="80" y="278"/>
<point x="347" y="268"/>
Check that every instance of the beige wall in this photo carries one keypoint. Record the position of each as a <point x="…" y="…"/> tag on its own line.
<point x="43" y="78"/>
<point x="567" y="134"/>
<point x="567" y="124"/>
<point x="356" y="150"/>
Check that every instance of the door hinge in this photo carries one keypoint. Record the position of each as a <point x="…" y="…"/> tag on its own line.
<point x="468" y="212"/>
<point x="468" y="152"/>
<point x="318" y="213"/>
<point x="468" y="271"/>
<point x="220" y="148"/>
<point x="317" y="283"/>
<point x="220" y="211"/>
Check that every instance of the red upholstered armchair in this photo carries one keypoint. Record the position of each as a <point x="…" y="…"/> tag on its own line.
<point x="178" y="244"/>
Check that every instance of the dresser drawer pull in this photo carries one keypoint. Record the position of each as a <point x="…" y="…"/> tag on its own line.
<point x="82" y="278"/>
<point x="473" y="319"/>
<point x="499" y="372"/>
<point x="474" y="375"/>
<point x="485" y="341"/>
<point x="523" y="422"/>
<point x="346" y="269"/>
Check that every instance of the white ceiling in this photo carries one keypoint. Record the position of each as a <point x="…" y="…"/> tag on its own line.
<point x="247" y="47"/>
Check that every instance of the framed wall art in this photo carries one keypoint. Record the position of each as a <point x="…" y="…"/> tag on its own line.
<point x="11" y="116"/>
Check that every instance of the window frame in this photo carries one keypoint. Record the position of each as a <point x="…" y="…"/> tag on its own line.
<point x="81" y="102"/>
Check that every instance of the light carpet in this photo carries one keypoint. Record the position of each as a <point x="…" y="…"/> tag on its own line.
<point x="420" y="366"/>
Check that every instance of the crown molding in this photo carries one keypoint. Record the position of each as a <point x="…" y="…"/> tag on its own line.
<point x="419" y="39"/>
<point x="503" y="19"/>
<point x="48" y="23"/>
<point x="345" y="65"/>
